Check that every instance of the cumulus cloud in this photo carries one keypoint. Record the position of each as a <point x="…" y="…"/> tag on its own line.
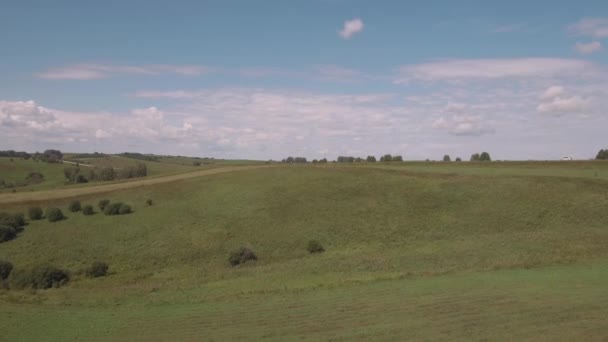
<point x="593" y="27"/>
<point x="99" y="71"/>
<point x="555" y="101"/>
<point x="28" y="115"/>
<point x="351" y="27"/>
<point x="588" y="48"/>
<point x="493" y="69"/>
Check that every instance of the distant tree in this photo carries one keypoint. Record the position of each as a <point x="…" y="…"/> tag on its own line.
<point x="358" y="160"/>
<point x="458" y="159"/>
<point x="344" y="159"/>
<point x="475" y="157"/>
<point x="370" y="159"/>
<point x="73" y="175"/>
<point x="141" y="170"/>
<point x="602" y="155"/>
<point x="447" y="158"/>
<point x="314" y="161"/>
<point x="397" y="158"/>
<point x="323" y="161"/>
<point x="485" y="156"/>
<point x="105" y="173"/>
<point x="300" y="160"/>
<point x="290" y="160"/>
<point x="49" y="156"/>
<point x="386" y="158"/>
<point x="196" y="163"/>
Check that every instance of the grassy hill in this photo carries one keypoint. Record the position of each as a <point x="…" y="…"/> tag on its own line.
<point x="15" y="170"/>
<point x="418" y="255"/>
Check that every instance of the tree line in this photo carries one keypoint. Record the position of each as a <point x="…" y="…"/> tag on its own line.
<point x="74" y="174"/>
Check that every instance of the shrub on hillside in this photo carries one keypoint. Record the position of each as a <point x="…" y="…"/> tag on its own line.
<point x="40" y="277"/>
<point x="112" y="208"/>
<point x="117" y="208"/>
<point x="54" y="214"/>
<point x="124" y="209"/>
<point x="5" y="269"/>
<point x="314" y="246"/>
<point x="35" y="213"/>
<point x="15" y="221"/>
<point x="97" y="269"/>
<point x="7" y="233"/>
<point x="74" y="206"/>
<point x="149" y="202"/>
<point x="241" y="255"/>
<point x="103" y="203"/>
<point x="34" y="178"/>
<point x="88" y="210"/>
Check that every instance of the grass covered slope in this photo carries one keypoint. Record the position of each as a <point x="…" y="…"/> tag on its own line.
<point x="407" y="256"/>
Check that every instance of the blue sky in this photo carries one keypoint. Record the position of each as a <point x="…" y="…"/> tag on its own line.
<point x="267" y="79"/>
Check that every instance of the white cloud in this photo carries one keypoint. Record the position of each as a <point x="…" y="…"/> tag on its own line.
<point x="555" y="101"/>
<point x="593" y="27"/>
<point x="460" y="123"/>
<point x="101" y="134"/>
<point x="99" y="71"/>
<point x="552" y="92"/>
<point x="27" y="115"/>
<point x="350" y="28"/>
<point x="491" y="69"/>
<point x="588" y="48"/>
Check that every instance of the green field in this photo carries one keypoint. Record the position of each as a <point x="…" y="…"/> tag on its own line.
<point x="16" y="170"/>
<point x="424" y="251"/>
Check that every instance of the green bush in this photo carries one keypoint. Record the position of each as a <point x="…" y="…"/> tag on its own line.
<point x="7" y="233"/>
<point x="241" y="256"/>
<point x="54" y="214"/>
<point x="40" y="277"/>
<point x="35" y="213"/>
<point x="74" y="206"/>
<point x="124" y="209"/>
<point x="117" y="208"/>
<point x="314" y="246"/>
<point x="103" y="203"/>
<point x="112" y="208"/>
<point x="149" y="202"/>
<point x="88" y="210"/>
<point x="15" y="221"/>
<point x="5" y="269"/>
<point x="97" y="269"/>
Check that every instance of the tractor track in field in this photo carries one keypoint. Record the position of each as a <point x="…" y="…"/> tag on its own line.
<point x="55" y="194"/>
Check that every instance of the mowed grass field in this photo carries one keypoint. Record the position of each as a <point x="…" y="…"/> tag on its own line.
<point x="419" y="255"/>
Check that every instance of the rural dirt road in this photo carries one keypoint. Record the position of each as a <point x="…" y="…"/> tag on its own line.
<point x="19" y="197"/>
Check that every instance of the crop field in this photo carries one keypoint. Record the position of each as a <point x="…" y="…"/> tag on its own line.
<point x="422" y="251"/>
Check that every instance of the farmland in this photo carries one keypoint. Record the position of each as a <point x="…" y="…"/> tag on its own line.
<point x="412" y="250"/>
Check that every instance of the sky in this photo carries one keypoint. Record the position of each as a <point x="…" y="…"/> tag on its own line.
<point x="270" y="79"/>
